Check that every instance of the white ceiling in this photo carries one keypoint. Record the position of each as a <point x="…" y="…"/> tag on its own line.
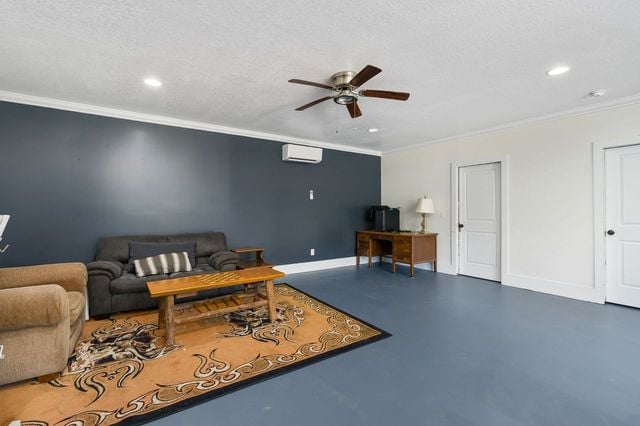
<point x="469" y="65"/>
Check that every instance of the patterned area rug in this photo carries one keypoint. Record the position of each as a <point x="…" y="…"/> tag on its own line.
<point x="121" y="372"/>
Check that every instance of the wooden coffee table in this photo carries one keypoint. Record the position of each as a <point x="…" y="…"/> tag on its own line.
<point x="167" y="290"/>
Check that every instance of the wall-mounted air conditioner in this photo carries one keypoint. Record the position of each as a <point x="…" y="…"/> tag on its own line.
<point x="301" y="154"/>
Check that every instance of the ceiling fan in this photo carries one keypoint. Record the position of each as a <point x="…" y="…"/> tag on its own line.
<point x="346" y="85"/>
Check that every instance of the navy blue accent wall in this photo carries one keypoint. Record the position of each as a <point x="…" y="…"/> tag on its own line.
<point x="68" y="179"/>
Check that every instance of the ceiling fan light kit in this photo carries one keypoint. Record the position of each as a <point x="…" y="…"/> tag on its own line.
<point x="346" y="84"/>
<point x="345" y="97"/>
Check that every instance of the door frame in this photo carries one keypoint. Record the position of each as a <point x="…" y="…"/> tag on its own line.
<point x="599" y="214"/>
<point x="504" y="211"/>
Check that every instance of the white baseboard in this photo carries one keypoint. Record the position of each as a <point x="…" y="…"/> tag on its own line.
<point x="443" y="268"/>
<point x="540" y="285"/>
<point x="318" y="265"/>
<point x="556" y="288"/>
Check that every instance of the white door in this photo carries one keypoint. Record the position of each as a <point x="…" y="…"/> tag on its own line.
<point x="622" y="204"/>
<point x="479" y="221"/>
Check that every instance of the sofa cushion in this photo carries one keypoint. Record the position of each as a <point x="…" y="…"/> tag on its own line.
<point x="207" y="243"/>
<point x="162" y="264"/>
<point x="117" y="248"/>
<point x="129" y="283"/>
<point x="140" y="250"/>
<point x="198" y="269"/>
<point x="76" y="306"/>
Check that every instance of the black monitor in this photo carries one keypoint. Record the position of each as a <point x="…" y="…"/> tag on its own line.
<point x="385" y="218"/>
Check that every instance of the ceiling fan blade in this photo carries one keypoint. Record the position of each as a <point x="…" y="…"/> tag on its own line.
<point x="310" y="83"/>
<point x="316" y="102"/>
<point x="385" y="94"/>
<point x="365" y="74"/>
<point x="354" y="110"/>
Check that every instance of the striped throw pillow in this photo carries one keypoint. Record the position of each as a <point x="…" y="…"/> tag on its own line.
<point x="162" y="264"/>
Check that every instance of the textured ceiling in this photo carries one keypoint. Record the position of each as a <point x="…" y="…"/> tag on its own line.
<point x="469" y="65"/>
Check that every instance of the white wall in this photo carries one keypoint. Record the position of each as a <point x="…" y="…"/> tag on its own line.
<point x="550" y="194"/>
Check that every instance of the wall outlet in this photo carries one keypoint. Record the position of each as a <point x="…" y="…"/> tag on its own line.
<point x="311" y="194"/>
<point x="312" y="252"/>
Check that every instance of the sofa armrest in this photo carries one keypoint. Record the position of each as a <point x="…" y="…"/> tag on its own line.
<point x="70" y="276"/>
<point x="224" y="257"/>
<point x="33" y="306"/>
<point x="105" y="267"/>
<point x="99" y="294"/>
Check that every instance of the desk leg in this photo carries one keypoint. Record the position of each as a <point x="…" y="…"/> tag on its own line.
<point x="435" y="266"/>
<point x="369" y="256"/>
<point x="357" y="259"/>
<point x="169" y="323"/>
<point x="411" y="270"/>
<point x="271" y="300"/>
<point x="393" y="264"/>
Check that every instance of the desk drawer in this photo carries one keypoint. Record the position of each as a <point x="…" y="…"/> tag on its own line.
<point x="363" y="244"/>
<point x="402" y="247"/>
<point x="402" y="258"/>
<point x="401" y="253"/>
<point x="402" y="242"/>
<point x="362" y="252"/>
<point x="362" y="247"/>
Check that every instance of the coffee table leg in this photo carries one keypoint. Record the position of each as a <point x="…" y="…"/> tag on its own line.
<point x="169" y="330"/>
<point x="161" y="313"/>
<point x="271" y="300"/>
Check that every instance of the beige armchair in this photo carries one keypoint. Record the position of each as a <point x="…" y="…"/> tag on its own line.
<point x="42" y="310"/>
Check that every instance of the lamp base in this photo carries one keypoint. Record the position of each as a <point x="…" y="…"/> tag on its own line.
<point x="424" y="223"/>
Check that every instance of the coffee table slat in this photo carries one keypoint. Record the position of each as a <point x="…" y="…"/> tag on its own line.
<point x="175" y="286"/>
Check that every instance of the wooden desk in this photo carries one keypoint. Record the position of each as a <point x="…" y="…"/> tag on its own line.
<point x="403" y="247"/>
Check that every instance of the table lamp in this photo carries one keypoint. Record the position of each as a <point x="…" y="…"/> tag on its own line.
<point x="425" y="206"/>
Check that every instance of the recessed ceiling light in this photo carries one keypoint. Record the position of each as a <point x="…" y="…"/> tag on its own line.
<point x="597" y="93"/>
<point x="153" y="82"/>
<point x="558" y="70"/>
<point x="373" y="130"/>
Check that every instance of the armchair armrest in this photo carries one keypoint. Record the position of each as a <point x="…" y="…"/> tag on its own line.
<point x="70" y="276"/>
<point x="42" y="305"/>
<point x="224" y="257"/>
<point x="110" y="268"/>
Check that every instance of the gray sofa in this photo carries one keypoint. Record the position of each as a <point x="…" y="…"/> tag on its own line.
<point x="114" y="287"/>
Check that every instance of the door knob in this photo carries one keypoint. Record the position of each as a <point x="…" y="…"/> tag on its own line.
<point x="611" y="232"/>
<point x="460" y="226"/>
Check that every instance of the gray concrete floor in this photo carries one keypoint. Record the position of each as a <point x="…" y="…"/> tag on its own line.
<point x="463" y="352"/>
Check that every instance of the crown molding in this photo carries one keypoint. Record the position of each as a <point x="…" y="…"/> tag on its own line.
<point x="602" y="106"/>
<point x="20" y="98"/>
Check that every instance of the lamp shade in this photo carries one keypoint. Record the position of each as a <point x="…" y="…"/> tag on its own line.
<point x="425" y="205"/>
